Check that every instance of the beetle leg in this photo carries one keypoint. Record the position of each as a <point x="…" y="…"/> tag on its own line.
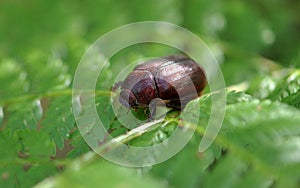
<point x="152" y="110"/>
<point x="153" y="107"/>
<point x="175" y="104"/>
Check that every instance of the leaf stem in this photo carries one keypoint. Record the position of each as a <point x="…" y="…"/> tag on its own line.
<point x="92" y="156"/>
<point x="31" y="96"/>
<point x="22" y="161"/>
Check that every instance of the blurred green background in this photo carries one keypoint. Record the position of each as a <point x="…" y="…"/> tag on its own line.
<point x="268" y="27"/>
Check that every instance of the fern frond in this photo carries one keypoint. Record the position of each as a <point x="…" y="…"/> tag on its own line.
<point x="282" y="86"/>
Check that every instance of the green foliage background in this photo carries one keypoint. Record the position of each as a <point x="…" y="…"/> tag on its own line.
<point x="257" y="44"/>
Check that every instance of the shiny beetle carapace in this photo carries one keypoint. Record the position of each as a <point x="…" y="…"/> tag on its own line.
<point x="175" y="79"/>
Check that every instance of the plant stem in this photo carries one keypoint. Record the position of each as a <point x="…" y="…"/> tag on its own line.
<point x="31" y="96"/>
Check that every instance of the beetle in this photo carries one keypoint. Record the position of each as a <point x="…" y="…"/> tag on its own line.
<point x="174" y="79"/>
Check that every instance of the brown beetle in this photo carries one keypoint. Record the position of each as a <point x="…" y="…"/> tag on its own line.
<point x="174" y="79"/>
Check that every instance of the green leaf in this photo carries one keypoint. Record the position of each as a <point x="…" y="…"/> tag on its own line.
<point x="27" y="175"/>
<point x="99" y="174"/>
<point x="187" y="168"/>
<point x="34" y="174"/>
<point x="230" y="169"/>
<point x="195" y="165"/>
<point x="13" y="79"/>
<point x="258" y="140"/>
<point x="36" y="145"/>
<point x="42" y="68"/>
<point x="281" y="86"/>
<point x="264" y="134"/>
<point x="293" y="99"/>
<point x="105" y="111"/>
<point x="79" y="145"/>
<point x="9" y="150"/>
<point x="25" y="158"/>
<point x="59" y="120"/>
<point x="9" y="145"/>
<point x="23" y="115"/>
<point x="8" y="173"/>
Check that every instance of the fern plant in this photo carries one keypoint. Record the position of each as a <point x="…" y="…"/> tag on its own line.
<point x="256" y="147"/>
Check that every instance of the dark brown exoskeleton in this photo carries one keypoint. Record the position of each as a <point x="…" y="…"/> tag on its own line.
<point x="173" y="79"/>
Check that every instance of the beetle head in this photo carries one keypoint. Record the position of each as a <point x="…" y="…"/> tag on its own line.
<point x="127" y="99"/>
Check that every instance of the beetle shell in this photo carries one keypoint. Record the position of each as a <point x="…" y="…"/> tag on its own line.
<point x="175" y="79"/>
